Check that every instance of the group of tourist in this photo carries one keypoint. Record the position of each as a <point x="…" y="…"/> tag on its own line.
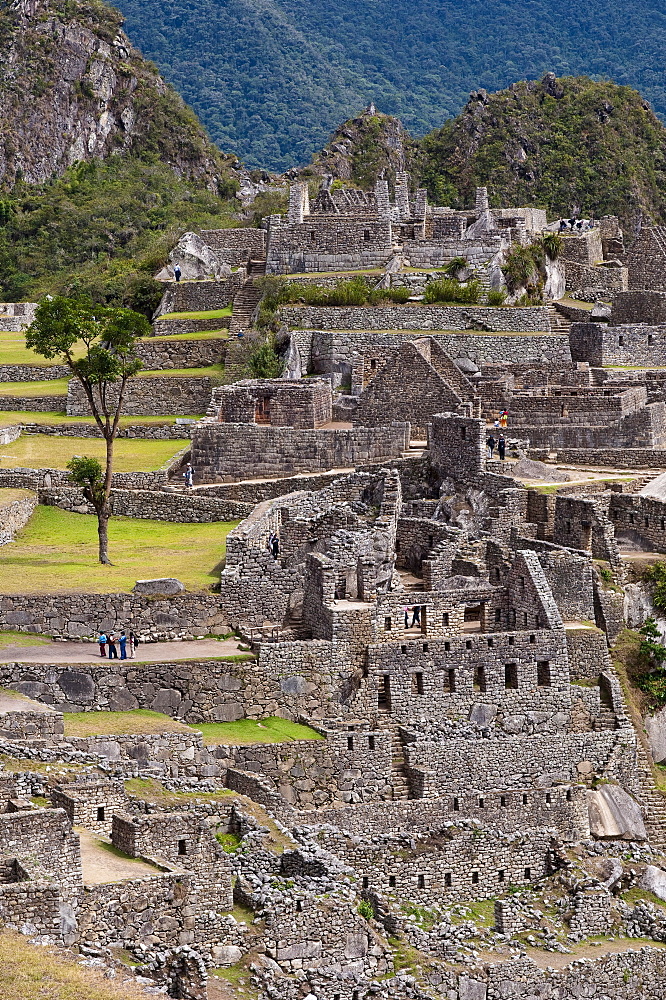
<point x="126" y="640"/>
<point x="576" y="225"/>
<point x="500" y="443"/>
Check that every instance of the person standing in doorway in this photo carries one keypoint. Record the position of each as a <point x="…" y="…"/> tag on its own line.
<point x="113" y="652"/>
<point x="275" y="545"/>
<point x="102" y="643"/>
<point x="490" y="445"/>
<point x="123" y="645"/>
<point x="501" y="447"/>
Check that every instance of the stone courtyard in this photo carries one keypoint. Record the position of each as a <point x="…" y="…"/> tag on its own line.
<point x="466" y="798"/>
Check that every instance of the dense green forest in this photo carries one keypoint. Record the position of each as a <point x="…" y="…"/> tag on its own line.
<point x="271" y="79"/>
<point x="572" y="146"/>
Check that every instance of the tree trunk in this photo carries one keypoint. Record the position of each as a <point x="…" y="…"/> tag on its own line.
<point x="103" y="535"/>
<point x="104" y="512"/>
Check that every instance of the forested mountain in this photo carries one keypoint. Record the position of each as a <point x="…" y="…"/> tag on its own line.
<point x="101" y="163"/>
<point x="272" y="79"/>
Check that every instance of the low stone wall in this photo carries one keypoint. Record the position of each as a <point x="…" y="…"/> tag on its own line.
<point x="186" y="508"/>
<point x="629" y="344"/>
<point x="45" y="479"/>
<point x="32" y="373"/>
<point x="173" y="327"/>
<point x="198" y="296"/>
<point x="521" y="319"/>
<point x="74" y="616"/>
<point x="20" y="725"/>
<point x="48" y="404"/>
<point x="15" y="516"/>
<point x="151" y="396"/>
<point x="152" y="432"/>
<point x="244" y="451"/>
<point x="158" y="354"/>
<point x="607" y="458"/>
<point x="589" y="282"/>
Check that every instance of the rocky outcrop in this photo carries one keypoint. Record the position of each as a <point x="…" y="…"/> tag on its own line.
<point x="614" y="814"/>
<point x="73" y="89"/>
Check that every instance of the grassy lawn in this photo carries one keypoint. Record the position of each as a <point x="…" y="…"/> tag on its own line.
<point x="8" y="496"/>
<point x="33" y="972"/>
<point x="209" y="314"/>
<point x="14" y="352"/>
<point x="10" y="417"/>
<point x="210" y="371"/>
<point x="152" y="791"/>
<point x="57" y="553"/>
<point x="139" y="721"/>
<point x="45" y="387"/>
<point x="8" y="637"/>
<point x="273" y="730"/>
<point x="45" y="451"/>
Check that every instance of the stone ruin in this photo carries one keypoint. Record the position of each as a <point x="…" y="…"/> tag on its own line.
<point x="476" y="789"/>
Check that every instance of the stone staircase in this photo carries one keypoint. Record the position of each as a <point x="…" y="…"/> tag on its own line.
<point x="653" y="800"/>
<point x="559" y="324"/>
<point x="247" y="298"/>
<point x="399" y="777"/>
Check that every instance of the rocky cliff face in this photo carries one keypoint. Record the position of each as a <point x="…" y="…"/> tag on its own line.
<point x="72" y="89"/>
<point x="362" y="149"/>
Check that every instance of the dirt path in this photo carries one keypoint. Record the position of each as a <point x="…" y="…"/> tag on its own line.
<point x="101" y="865"/>
<point x="556" y="960"/>
<point x="149" y="652"/>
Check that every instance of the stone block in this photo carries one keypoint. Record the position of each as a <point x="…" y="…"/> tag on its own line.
<point x="165" y="585"/>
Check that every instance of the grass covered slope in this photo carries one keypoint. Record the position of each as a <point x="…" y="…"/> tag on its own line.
<point x="56" y="553"/>
<point x="277" y="78"/>
<point x="573" y="146"/>
<point x="46" y="451"/>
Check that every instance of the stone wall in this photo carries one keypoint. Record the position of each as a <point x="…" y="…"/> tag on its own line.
<point x="459" y="863"/>
<point x="244" y="451"/>
<point x="150" y="396"/>
<point x="48" y="404"/>
<point x="339" y="351"/>
<point x="561" y="807"/>
<point x="71" y="616"/>
<point x="521" y="319"/>
<point x="640" y="306"/>
<point x="45" y="846"/>
<point x="165" y="326"/>
<point x="639" y="520"/>
<point x="157" y="354"/>
<point x="16" y="316"/>
<point x="90" y="803"/>
<point x="616" y="458"/>
<point x="323" y="244"/>
<point x="198" y="296"/>
<point x="14" y="516"/>
<point x="185" y="508"/>
<point x="588" y="282"/>
<point x="153" y="432"/>
<point x="32" y="373"/>
<point x="22" y="725"/>
<point x="45" y="479"/>
<point x="630" y="344"/>
<point x="520" y="763"/>
<point x="235" y="246"/>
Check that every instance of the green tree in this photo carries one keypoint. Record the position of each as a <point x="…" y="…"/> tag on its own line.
<point x="98" y="345"/>
<point x="651" y="647"/>
<point x="265" y="362"/>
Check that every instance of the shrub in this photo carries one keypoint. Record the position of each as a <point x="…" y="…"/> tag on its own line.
<point x="365" y="909"/>
<point x="552" y="245"/>
<point x="455" y="265"/>
<point x="655" y="575"/>
<point x="264" y="362"/>
<point x="496" y="297"/>
<point x="450" y="290"/>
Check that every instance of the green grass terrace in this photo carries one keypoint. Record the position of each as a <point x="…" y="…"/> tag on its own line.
<point x="47" y="451"/>
<point x="56" y="552"/>
<point x="9" y="418"/>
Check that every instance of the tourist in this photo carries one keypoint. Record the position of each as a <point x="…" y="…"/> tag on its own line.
<point x="501" y="447"/>
<point x="416" y="615"/>
<point x="504" y="418"/>
<point x="123" y="645"/>
<point x="407" y="610"/>
<point x="275" y="545"/>
<point x="111" y="642"/>
<point x="177" y="272"/>
<point x="490" y="444"/>
<point x="188" y="476"/>
<point x="102" y="644"/>
<point x="131" y="642"/>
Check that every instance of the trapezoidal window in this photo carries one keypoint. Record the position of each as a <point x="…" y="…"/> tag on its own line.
<point x="384" y="693"/>
<point x="100" y="814"/>
<point x="417" y="683"/>
<point x="262" y="411"/>
<point x="182" y="847"/>
<point x="543" y="673"/>
<point x="451" y="680"/>
<point x="479" y="677"/>
<point x="366" y="235"/>
<point x="511" y="676"/>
